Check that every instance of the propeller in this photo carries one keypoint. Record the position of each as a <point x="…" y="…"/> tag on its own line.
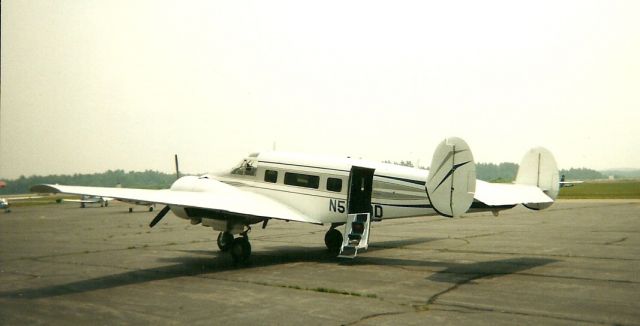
<point x="160" y="215"/>
<point x="166" y="209"/>
<point x="177" y="170"/>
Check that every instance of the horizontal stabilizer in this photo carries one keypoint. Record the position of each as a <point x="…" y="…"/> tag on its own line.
<point x="499" y="194"/>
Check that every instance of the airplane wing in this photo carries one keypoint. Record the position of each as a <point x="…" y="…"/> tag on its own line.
<point x="219" y="198"/>
<point x="498" y="194"/>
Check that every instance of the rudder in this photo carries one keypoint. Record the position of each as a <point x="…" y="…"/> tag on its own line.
<point x="539" y="168"/>
<point x="452" y="178"/>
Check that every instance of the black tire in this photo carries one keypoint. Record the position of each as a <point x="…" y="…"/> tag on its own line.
<point x="240" y="249"/>
<point x="225" y="241"/>
<point x="333" y="240"/>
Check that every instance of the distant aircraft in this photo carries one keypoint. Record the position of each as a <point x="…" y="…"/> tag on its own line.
<point x="149" y="205"/>
<point x="104" y="201"/>
<point x="338" y="191"/>
<point x="566" y="184"/>
<point x="88" y="200"/>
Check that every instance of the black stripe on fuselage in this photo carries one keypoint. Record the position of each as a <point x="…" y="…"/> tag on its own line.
<point x="405" y="205"/>
<point x="417" y="182"/>
<point x="335" y="197"/>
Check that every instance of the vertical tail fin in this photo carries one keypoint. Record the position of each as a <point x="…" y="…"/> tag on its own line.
<point x="538" y="168"/>
<point x="452" y="178"/>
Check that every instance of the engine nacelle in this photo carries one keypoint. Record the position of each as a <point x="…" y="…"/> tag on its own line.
<point x="217" y="219"/>
<point x="193" y="184"/>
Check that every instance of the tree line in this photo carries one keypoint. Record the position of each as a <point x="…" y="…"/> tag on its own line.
<point x="506" y="172"/>
<point x="147" y="179"/>
<point x="503" y="172"/>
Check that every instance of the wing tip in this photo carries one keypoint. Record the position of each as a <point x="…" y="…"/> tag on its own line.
<point x="44" y="189"/>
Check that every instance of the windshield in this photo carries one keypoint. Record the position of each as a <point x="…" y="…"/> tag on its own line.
<point x="246" y="167"/>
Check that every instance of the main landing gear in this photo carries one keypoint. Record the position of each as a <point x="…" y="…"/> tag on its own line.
<point x="333" y="239"/>
<point x="240" y="248"/>
<point x="225" y="239"/>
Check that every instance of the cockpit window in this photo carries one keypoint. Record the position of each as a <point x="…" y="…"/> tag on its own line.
<point x="246" y="167"/>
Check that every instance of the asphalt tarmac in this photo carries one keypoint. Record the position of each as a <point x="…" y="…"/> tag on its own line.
<point x="575" y="263"/>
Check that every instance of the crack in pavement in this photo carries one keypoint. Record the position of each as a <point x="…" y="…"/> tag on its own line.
<point x="531" y="254"/>
<point x="390" y="313"/>
<point x="527" y="314"/>
<point x="616" y="241"/>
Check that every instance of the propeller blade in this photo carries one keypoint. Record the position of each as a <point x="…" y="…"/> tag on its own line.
<point x="160" y="215"/>
<point x="177" y="169"/>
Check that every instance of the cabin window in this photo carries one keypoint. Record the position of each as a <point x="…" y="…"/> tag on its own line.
<point x="271" y="176"/>
<point x="334" y="184"/>
<point x="301" y="180"/>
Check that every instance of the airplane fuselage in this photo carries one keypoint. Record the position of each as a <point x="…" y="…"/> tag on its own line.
<point x="317" y="186"/>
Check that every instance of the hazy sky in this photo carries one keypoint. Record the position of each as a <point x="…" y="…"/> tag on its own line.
<point x="94" y="85"/>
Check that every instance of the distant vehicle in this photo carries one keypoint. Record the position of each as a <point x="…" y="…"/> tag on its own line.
<point x="338" y="191"/>
<point x="5" y="203"/>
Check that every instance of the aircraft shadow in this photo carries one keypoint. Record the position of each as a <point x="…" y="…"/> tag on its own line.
<point x="451" y="272"/>
<point x="462" y="273"/>
<point x="210" y="262"/>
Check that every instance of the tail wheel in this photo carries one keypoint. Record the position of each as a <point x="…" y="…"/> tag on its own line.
<point x="225" y="241"/>
<point x="333" y="240"/>
<point x="240" y="249"/>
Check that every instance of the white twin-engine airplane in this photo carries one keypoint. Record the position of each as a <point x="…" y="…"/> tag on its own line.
<point x="338" y="191"/>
